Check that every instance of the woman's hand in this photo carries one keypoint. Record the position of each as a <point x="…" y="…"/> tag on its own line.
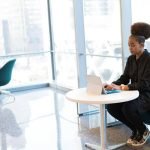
<point x="108" y="87"/>
<point x="124" y="87"/>
<point x="116" y="87"/>
<point x="112" y="87"/>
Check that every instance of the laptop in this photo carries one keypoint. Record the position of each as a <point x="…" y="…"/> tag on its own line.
<point x="95" y="86"/>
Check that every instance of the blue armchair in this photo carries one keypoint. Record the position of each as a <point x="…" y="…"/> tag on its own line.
<point x="5" y="78"/>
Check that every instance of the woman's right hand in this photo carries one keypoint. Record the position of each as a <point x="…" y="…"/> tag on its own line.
<point x="112" y="87"/>
<point x="108" y="86"/>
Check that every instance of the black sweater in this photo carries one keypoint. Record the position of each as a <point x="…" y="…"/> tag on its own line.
<point x="137" y="76"/>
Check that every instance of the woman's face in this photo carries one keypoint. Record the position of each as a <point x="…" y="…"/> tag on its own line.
<point x="134" y="46"/>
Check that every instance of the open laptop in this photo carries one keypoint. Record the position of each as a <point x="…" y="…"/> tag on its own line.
<point x="95" y="86"/>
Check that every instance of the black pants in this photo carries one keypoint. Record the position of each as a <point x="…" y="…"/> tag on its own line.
<point x="128" y="114"/>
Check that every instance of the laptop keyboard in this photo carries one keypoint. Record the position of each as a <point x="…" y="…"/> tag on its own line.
<point x="112" y="91"/>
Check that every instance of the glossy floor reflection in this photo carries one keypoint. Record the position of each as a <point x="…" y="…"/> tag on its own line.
<point x="44" y="120"/>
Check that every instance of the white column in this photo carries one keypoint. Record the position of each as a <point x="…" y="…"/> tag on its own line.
<point x="126" y="21"/>
<point x="80" y="49"/>
<point x="80" y="42"/>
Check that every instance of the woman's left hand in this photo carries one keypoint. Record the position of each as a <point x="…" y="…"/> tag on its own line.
<point x="124" y="87"/>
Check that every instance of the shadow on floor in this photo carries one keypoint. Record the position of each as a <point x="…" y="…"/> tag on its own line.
<point x="8" y="126"/>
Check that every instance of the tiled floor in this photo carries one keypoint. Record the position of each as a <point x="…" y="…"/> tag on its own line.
<point x="44" y="120"/>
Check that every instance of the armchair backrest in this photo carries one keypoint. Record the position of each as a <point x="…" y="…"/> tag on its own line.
<point x="6" y="72"/>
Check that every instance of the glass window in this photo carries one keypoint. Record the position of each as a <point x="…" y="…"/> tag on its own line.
<point x="109" y="69"/>
<point x="66" y="70"/>
<point x="24" y="34"/>
<point x="23" y="26"/>
<point x="63" y="25"/>
<point x="62" y="13"/>
<point x="103" y="38"/>
<point x="102" y="27"/>
<point x="30" y="70"/>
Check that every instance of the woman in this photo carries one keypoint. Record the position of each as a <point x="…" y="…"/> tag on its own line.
<point x="136" y="76"/>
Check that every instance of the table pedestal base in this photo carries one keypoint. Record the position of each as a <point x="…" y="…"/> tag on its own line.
<point x="103" y="140"/>
<point x="97" y="147"/>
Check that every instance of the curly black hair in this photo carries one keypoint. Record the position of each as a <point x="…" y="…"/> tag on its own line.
<point x="141" y="29"/>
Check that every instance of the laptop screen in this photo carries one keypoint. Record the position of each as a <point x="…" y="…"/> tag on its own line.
<point x="95" y="86"/>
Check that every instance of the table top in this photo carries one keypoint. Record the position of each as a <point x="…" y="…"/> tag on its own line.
<point x="81" y="96"/>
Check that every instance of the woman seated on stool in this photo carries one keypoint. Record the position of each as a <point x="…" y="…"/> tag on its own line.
<point x="136" y="76"/>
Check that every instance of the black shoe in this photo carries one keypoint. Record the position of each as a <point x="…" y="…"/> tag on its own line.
<point x="131" y="138"/>
<point x="141" y="138"/>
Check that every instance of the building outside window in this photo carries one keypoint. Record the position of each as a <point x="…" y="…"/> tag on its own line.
<point x="23" y="34"/>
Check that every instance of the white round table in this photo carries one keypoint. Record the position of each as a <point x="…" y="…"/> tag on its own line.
<point x="81" y="96"/>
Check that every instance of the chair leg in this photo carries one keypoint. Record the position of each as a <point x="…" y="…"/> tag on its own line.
<point x="7" y="93"/>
